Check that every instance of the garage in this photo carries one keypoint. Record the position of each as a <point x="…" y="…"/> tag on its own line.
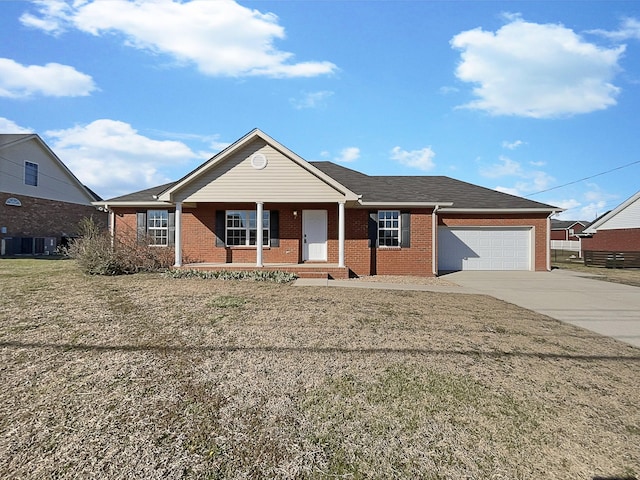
<point x="484" y="248"/>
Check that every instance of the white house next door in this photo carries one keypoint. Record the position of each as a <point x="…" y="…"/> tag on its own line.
<point x="314" y="235"/>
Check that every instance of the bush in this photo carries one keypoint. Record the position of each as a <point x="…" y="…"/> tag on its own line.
<point x="98" y="253"/>
<point x="255" y="275"/>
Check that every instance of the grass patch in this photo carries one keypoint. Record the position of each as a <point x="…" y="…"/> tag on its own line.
<point x="133" y="377"/>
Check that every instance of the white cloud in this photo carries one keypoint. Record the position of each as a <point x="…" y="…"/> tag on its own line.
<point x="629" y="30"/>
<point x="311" y="100"/>
<point x="421" y="159"/>
<point x="52" y="79"/>
<point x="349" y="154"/>
<point x="112" y="158"/>
<point x="506" y="167"/>
<point x="512" y="145"/>
<point x="536" y="70"/>
<point x="221" y="37"/>
<point x="526" y="181"/>
<point x="9" y="126"/>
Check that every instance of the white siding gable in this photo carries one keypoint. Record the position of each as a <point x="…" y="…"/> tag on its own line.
<point x="54" y="180"/>
<point x="627" y="217"/>
<point x="235" y="179"/>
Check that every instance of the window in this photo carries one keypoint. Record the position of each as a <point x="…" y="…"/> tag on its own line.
<point x="31" y="174"/>
<point x="242" y="228"/>
<point x="158" y="227"/>
<point x="389" y="228"/>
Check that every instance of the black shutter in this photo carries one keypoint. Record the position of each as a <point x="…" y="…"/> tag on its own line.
<point x="220" y="229"/>
<point x="172" y="228"/>
<point x="274" y="228"/>
<point x="141" y="222"/>
<point x="405" y="229"/>
<point x="373" y="229"/>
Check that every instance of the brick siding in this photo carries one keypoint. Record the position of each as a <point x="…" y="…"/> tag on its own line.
<point x="38" y="217"/>
<point x="621" y="240"/>
<point x="199" y="241"/>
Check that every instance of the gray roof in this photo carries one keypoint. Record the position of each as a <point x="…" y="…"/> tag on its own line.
<point x="147" y="195"/>
<point x="401" y="189"/>
<point x="424" y="189"/>
<point x="563" y="224"/>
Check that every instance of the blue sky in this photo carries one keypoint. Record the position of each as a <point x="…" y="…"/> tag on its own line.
<point x="522" y="97"/>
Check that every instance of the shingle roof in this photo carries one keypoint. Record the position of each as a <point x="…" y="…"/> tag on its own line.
<point x="401" y="189"/>
<point x="563" y="224"/>
<point x="147" y="195"/>
<point x="424" y="189"/>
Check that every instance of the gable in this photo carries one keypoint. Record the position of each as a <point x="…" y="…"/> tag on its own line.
<point x="55" y="181"/>
<point x="627" y="215"/>
<point x="236" y="179"/>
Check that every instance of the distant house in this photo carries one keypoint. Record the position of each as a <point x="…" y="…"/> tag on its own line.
<point x="41" y="201"/>
<point x="258" y="205"/>
<point x="565" y="234"/>
<point x="567" y="230"/>
<point x="617" y="231"/>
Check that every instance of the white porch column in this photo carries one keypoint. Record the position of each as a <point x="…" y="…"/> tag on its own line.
<point x="341" y="234"/>
<point x="112" y="225"/>
<point x="259" y="210"/>
<point x="178" y="235"/>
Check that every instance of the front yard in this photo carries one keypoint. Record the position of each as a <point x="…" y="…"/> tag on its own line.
<point x="149" y="377"/>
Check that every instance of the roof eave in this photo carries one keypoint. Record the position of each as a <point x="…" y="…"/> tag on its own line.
<point x="150" y="203"/>
<point x="406" y="204"/>
<point x="549" y="210"/>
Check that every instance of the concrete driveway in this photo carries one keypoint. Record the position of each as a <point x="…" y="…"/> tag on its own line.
<point x="606" y="308"/>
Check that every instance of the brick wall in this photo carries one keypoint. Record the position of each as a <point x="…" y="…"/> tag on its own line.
<point x="621" y="240"/>
<point x="44" y="218"/>
<point x="537" y="221"/>
<point x="199" y="243"/>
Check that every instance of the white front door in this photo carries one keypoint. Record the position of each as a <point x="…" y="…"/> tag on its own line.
<point x="314" y="235"/>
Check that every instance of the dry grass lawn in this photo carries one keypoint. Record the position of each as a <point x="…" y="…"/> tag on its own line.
<point x="626" y="276"/>
<point x="146" y="377"/>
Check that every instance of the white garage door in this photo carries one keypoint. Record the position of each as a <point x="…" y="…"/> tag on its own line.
<point x="484" y="248"/>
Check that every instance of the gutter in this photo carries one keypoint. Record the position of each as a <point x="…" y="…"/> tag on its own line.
<point x="550" y="211"/>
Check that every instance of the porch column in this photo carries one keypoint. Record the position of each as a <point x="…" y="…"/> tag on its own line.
<point x="178" y="235"/>
<point x="112" y="225"/>
<point x="341" y="234"/>
<point x="259" y="209"/>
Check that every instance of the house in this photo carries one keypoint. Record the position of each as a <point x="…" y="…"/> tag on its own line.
<point x="565" y="234"/>
<point x="41" y="201"/>
<point x="616" y="232"/>
<point x="567" y="230"/>
<point x="257" y="204"/>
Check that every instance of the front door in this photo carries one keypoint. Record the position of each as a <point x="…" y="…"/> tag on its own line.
<point x="314" y="235"/>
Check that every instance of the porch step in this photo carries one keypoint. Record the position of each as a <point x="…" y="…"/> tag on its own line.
<point x="303" y="274"/>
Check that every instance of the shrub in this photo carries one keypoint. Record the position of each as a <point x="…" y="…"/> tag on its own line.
<point x="255" y="275"/>
<point x="97" y="253"/>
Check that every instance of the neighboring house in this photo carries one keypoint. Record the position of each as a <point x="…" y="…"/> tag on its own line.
<point x="616" y="231"/>
<point x="257" y="204"/>
<point x="567" y="230"/>
<point x="41" y="201"/>
<point x="565" y="234"/>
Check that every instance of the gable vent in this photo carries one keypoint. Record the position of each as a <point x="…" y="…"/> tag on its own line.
<point x="258" y="161"/>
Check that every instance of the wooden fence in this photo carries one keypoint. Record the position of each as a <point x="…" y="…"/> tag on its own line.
<point x="611" y="259"/>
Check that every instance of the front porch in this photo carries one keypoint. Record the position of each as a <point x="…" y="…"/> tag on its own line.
<point x="302" y="270"/>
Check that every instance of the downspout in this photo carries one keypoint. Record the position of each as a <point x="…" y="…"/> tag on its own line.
<point x="548" y="242"/>
<point x="434" y="240"/>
